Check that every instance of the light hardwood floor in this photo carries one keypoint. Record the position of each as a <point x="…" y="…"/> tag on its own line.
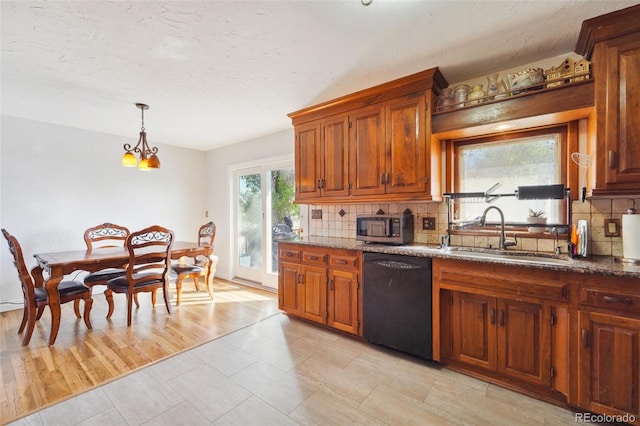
<point x="37" y="375"/>
<point x="281" y="371"/>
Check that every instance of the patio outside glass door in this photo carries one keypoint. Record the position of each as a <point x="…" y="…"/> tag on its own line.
<point x="265" y="215"/>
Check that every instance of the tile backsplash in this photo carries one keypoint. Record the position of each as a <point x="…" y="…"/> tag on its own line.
<point x="595" y="211"/>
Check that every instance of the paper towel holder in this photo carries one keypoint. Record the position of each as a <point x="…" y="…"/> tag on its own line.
<point x="612" y="227"/>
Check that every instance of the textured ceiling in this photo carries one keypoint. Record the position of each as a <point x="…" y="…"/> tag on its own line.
<point x="220" y="72"/>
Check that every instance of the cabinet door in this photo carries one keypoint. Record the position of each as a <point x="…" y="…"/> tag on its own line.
<point x="524" y="341"/>
<point x="367" y="151"/>
<point x="474" y="330"/>
<point x="343" y="300"/>
<point x="617" y="100"/>
<point x="610" y="364"/>
<point x="307" y="160"/>
<point x="406" y="145"/>
<point x="314" y="288"/>
<point x="335" y="157"/>
<point x="289" y="291"/>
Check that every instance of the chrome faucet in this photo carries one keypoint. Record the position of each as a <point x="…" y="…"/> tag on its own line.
<point x="503" y="243"/>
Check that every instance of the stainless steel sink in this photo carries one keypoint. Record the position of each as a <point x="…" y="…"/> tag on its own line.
<point x="508" y="256"/>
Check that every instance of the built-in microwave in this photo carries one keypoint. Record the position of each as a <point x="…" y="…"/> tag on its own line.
<point x="387" y="229"/>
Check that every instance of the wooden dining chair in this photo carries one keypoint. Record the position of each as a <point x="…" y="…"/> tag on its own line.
<point x="200" y="265"/>
<point x="100" y="236"/>
<point x="36" y="298"/>
<point x="148" y="268"/>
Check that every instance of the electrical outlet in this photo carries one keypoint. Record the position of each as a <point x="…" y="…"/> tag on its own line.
<point x="316" y="214"/>
<point x="429" y="223"/>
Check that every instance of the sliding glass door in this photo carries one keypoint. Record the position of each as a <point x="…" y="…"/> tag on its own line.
<point x="265" y="215"/>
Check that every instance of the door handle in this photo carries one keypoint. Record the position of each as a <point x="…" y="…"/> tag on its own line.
<point x="615" y="299"/>
<point x="585" y="338"/>
<point x="613" y="157"/>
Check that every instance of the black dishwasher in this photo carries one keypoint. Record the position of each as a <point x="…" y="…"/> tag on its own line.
<point x="396" y="302"/>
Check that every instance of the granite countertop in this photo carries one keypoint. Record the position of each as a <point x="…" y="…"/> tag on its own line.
<point x="605" y="265"/>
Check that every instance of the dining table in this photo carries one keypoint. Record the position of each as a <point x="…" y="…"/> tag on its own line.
<point x="58" y="264"/>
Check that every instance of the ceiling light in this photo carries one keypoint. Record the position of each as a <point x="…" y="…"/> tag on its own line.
<point x="366" y="2"/>
<point x="148" y="158"/>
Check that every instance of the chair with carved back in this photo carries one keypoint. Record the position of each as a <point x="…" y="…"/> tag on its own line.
<point x="36" y="298"/>
<point x="148" y="268"/>
<point x="201" y="265"/>
<point x="105" y="235"/>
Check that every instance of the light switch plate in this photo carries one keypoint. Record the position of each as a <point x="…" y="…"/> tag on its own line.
<point x="316" y="214"/>
<point x="429" y="223"/>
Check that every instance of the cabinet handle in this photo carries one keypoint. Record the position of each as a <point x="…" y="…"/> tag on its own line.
<point x="387" y="178"/>
<point x="313" y="257"/>
<point x="382" y="179"/>
<point x="331" y="285"/>
<point x="492" y="316"/>
<point x="288" y="254"/>
<point x="501" y="318"/>
<point x="341" y="262"/>
<point x="585" y="338"/>
<point x="615" y="299"/>
<point x="612" y="159"/>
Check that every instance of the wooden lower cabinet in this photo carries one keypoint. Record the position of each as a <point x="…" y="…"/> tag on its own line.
<point x="506" y="324"/>
<point x="610" y="364"/>
<point x="320" y="284"/>
<point x="289" y="296"/>
<point x="510" y="337"/>
<point x="609" y="347"/>
<point x="313" y="289"/>
<point x="343" y="301"/>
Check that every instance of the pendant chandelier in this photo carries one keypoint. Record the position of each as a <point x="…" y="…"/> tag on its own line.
<point x="148" y="157"/>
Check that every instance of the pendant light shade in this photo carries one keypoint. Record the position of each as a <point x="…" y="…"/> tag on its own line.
<point x="148" y="156"/>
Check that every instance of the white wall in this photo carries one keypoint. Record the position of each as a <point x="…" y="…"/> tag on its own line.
<point x="219" y="162"/>
<point x="57" y="181"/>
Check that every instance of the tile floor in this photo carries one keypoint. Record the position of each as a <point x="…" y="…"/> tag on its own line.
<point x="282" y="371"/>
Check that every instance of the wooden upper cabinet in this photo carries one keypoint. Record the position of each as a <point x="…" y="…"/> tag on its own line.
<point x="370" y="145"/>
<point x="406" y="169"/>
<point x="612" y="42"/>
<point x="307" y="160"/>
<point x="334" y="157"/>
<point x="617" y="148"/>
<point x="367" y="147"/>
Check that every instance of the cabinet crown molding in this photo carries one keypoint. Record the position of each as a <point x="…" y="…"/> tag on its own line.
<point x="431" y="79"/>
<point x="605" y="27"/>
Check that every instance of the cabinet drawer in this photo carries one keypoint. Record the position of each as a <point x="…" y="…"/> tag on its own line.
<point x="345" y="261"/>
<point x="610" y="300"/>
<point x="289" y="254"/>
<point x="314" y="258"/>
